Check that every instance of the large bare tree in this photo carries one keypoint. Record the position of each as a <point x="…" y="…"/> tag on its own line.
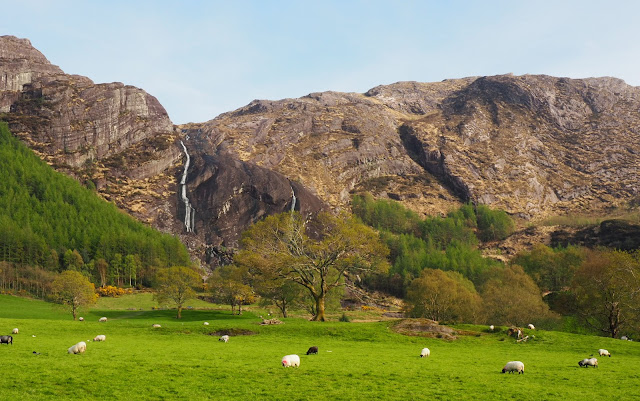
<point x="316" y="253"/>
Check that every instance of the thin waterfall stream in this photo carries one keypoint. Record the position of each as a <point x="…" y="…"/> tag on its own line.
<point x="189" y="211"/>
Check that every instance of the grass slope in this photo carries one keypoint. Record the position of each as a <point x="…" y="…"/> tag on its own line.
<point x="367" y="360"/>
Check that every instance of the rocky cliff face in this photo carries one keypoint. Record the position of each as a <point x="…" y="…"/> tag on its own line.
<point x="113" y="136"/>
<point x="532" y="145"/>
<point x="119" y="139"/>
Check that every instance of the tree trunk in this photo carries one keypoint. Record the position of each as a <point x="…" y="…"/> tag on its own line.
<point x="73" y="311"/>
<point x="179" y="311"/>
<point x="319" y="317"/>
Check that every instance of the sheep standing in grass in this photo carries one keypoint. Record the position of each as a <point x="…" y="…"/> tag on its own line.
<point x="156" y="326"/>
<point x="6" y="340"/>
<point x="205" y="323"/>
<point x="604" y="352"/>
<point x="491" y="328"/>
<point x="588" y="362"/>
<point x="100" y="337"/>
<point x="312" y="350"/>
<point x="513" y="366"/>
<point x="425" y="353"/>
<point x="224" y="338"/>
<point x="290" y="361"/>
<point x="14" y="331"/>
<point x="531" y="327"/>
<point x="81" y="319"/>
<point x="102" y="319"/>
<point x="78" y="348"/>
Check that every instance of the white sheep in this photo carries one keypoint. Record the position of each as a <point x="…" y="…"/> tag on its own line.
<point x="624" y="338"/>
<point x="604" y="352"/>
<point x="81" y="319"/>
<point x="290" y="361"/>
<point x="224" y="338"/>
<point x="491" y="327"/>
<point x="513" y="366"/>
<point x="205" y="323"/>
<point x="102" y="319"/>
<point x="100" y="337"/>
<point x="588" y="362"/>
<point x="14" y="331"/>
<point x="78" y="348"/>
<point x="156" y="326"/>
<point x="425" y="353"/>
<point x="531" y="327"/>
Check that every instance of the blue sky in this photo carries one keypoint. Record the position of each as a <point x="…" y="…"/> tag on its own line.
<point x="203" y="58"/>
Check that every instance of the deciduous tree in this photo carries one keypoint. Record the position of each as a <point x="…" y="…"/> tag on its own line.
<point x="442" y="296"/>
<point x="176" y="284"/>
<point x="607" y="290"/>
<point x="72" y="288"/>
<point x="512" y="297"/>
<point x="228" y="285"/>
<point x="315" y="253"/>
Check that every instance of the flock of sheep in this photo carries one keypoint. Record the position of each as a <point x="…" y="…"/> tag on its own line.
<point x="294" y="360"/>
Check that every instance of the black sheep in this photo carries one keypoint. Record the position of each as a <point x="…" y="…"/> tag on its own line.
<point x="6" y="340"/>
<point x="312" y="350"/>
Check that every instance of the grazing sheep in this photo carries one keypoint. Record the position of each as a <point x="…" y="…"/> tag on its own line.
<point x="425" y="353"/>
<point x="491" y="327"/>
<point x="588" y="362"/>
<point x="312" y="350"/>
<point x="531" y="327"/>
<point x="224" y="338"/>
<point x="78" y="348"/>
<point x="625" y="338"/>
<point x="100" y="337"/>
<point x="6" y="340"/>
<point x="156" y="326"/>
<point x="513" y="366"/>
<point x="205" y="323"/>
<point x="604" y="352"/>
<point x="14" y="331"/>
<point x="81" y="319"/>
<point x="290" y="361"/>
<point x="102" y="319"/>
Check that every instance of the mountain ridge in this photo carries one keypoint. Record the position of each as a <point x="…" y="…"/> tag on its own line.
<point x="533" y="145"/>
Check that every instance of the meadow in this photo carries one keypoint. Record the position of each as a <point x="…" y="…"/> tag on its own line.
<point x="183" y="360"/>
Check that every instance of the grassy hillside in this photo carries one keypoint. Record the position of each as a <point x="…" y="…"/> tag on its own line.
<point x="45" y="216"/>
<point x="182" y="360"/>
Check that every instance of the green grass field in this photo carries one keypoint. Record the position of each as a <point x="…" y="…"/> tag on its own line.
<point x="365" y="361"/>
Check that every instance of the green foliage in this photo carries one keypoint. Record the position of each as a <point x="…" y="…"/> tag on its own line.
<point x="385" y="215"/>
<point x="552" y="269"/>
<point x="44" y="214"/>
<point x="493" y="225"/>
<point x="443" y="297"/>
<point x="607" y="291"/>
<point x="229" y="285"/>
<point x="177" y="284"/>
<point x="448" y="243"/>
<point x="511" y="297"/>
<point x="73" y="289"/>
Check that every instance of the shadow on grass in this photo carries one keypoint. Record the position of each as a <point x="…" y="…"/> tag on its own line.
<point x="188" y="315"/>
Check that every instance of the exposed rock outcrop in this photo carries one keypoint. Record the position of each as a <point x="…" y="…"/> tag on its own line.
<point x="533" y="145"/>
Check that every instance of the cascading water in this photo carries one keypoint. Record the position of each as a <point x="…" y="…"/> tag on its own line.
<point x="189" y="212"/>
<point x="293" y="200"/>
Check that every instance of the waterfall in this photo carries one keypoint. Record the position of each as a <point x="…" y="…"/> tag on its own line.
<point x="189" y="212"/>
<point x="293" y="199"/>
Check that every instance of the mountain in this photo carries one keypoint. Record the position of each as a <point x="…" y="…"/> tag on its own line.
<point x="533" y="145"/>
